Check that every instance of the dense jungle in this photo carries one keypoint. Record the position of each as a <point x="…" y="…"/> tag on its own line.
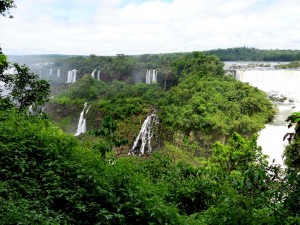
<point x="204" y="165"/>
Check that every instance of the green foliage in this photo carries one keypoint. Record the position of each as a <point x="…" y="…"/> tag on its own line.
<point x="85" y="88"/>
<point x="200" y="63"/>
<point x="237" y="154"/>
<point x="291" y="65"/>
<point x="292" y="151"/>
<point x="5" y="6"/>
<point x="204" y="102"/>
<point x="3" y="62"/>
<point x="292" y="161"/>
<point x="215" y="106"/>
<point x="245" y="188"/>
<point x="26" y="89"/>
<point x="52" y="179"/>
<point x="252" y="54"/>
<point x="292" y="154"/>
<point x="49" y="177"/>
<point x="109" y="138"/>
<point x="294" y="120"/>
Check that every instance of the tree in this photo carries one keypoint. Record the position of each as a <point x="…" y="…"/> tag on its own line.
<point x="292" y="161"/>
<point x="25" y="88"/>
<point x="109" y="138"/>
<point x="292" y="151"/>
<point x="5" y="6"/>
<point x="86" y="87"/>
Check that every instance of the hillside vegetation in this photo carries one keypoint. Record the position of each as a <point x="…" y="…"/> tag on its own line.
<point x="205" y="104"/>
<point x="50" y="177"/>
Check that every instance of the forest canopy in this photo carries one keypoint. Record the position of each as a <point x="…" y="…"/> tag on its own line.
<point x="50" y="177"/>
<point x="253" y="54"/>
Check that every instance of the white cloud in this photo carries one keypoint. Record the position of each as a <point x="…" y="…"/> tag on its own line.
<point x="108" y="27"/>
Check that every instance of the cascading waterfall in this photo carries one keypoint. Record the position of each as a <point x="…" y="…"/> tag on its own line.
<point x="148" y="77"/>
<point x="50" y="72"/>
<point x="98" y="75"/>
<point x="151" y="76"/>
<point x="145" y="135"/>
<point x="286" y="83"/>
<point x="81" y="127"/>
<point x="71" y="76"/>
<point x="58" y="72"/>
<point x="93" y="74"/>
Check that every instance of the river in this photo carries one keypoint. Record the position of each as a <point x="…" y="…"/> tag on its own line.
<point x="282" y="83"/>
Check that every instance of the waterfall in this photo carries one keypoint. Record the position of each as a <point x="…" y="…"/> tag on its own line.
<point x="151" y="76"/>
<point x="285" y="82"/>
<point x="93" y="74"/>
<point x="58" y="72"/>
<point x="81" y="127"/>
<point x="50" y="72"/>
<point x="98" y="75"/>
<point x="74" y="76"/>
<point x="148" y="77"/>
<point x="71" y="76"/>
<point x="154" y="77"/>
<point x="145" y="135"/>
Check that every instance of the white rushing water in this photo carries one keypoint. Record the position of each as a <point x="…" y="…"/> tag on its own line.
<point x="145" y="135"/>
<point x="58" y="72"/>
<point x="151" y="77"/>
<point x="286" y="83"/>
<point x="81" y="127"/>
<point x="98" y="74"/>
<point x="93" y="74"/>
<point x="71" y="76"/>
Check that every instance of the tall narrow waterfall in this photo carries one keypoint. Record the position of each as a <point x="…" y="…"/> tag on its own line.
<point x="93" y="74"/>
<point x="285" y="83"/>
<point x="81" y="127"/>
<point x="98" y="75"/>
<point x="71" y="76"/>
<point x="151" y="76"/>
<point x="144" y="137"/>
<point x="58" y="72"/>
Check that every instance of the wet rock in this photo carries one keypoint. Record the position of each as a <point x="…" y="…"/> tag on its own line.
<point x="276" y="96"/>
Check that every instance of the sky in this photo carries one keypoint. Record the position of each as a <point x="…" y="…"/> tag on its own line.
<point x="109" y="27"/>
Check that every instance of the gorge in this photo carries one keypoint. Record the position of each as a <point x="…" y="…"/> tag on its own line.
<point x="282" y="85"/>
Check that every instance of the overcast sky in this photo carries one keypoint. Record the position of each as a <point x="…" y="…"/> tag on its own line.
<point x="109" y="27"/>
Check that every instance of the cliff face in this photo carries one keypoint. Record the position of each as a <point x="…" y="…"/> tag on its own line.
<point x="65" y="116"/>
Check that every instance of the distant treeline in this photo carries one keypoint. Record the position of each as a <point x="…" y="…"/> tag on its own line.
<point x="253" y="54"/>
<point x="124" y="67"/>
<point x="132" y="68"/>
